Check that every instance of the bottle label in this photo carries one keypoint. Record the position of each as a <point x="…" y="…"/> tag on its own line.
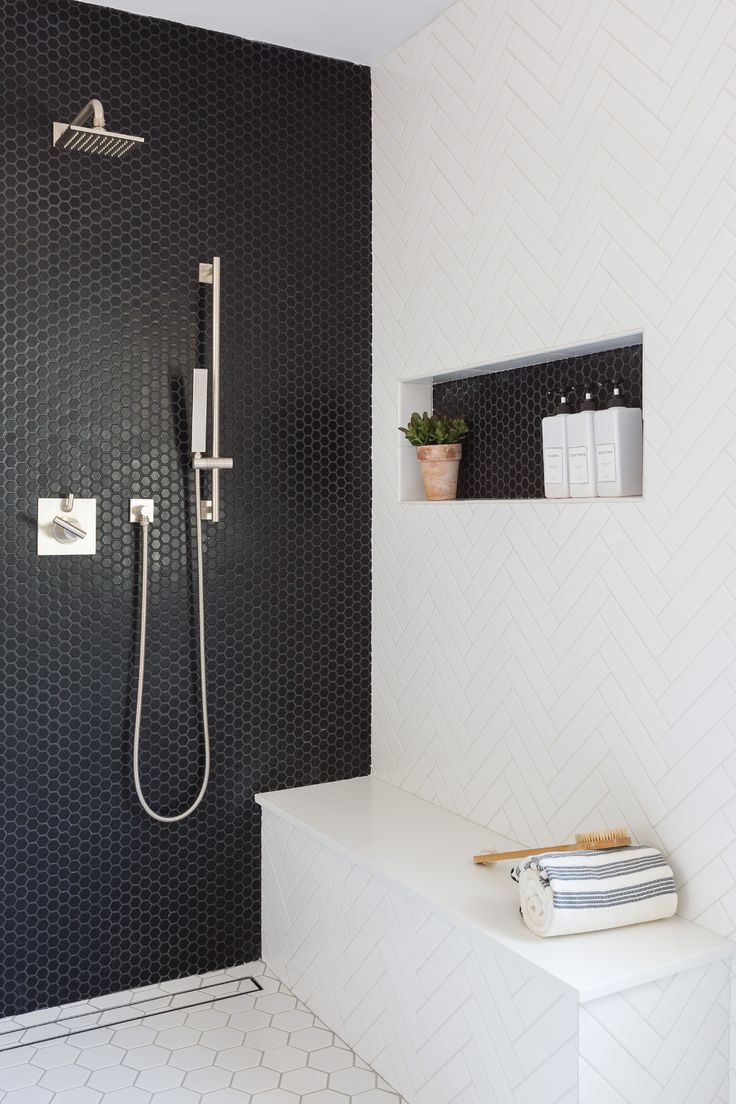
<point x="552" y="465"/>
<point x="577" y="458"/>
<point x="606" y="455"/>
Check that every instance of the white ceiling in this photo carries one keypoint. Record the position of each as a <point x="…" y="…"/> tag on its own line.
<point x="357" y="30"/>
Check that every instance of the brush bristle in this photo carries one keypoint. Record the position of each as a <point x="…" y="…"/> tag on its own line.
<point x="610" y="837"/>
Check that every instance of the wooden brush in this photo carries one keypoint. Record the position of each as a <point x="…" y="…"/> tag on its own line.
<point x="584" y="841"/>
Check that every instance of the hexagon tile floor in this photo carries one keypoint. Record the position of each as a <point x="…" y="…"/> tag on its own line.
<point x="214" y="1039"/>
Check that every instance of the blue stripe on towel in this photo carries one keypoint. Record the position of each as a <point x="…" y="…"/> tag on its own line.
<point x="606" y="898"/>
<point x="611" y="870"/>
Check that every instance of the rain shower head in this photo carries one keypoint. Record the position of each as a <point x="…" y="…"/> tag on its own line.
<point x="93" y="139"/>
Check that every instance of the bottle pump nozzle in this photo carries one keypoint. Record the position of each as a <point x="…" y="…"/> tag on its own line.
<point x="616" y="398"/>
<point x="562" y="406"/>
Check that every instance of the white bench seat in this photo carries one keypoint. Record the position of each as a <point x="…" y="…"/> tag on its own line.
<point x="374" y="913"/>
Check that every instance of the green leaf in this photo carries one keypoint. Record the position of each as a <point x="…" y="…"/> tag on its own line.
<point x="434" y="429"/>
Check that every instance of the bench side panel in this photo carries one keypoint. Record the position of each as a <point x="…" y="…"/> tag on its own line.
<point x="664" y="1041"/>
<point x="435" y="1011"/>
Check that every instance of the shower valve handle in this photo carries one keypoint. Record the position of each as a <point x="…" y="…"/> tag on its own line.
<point x="67" y="529"/>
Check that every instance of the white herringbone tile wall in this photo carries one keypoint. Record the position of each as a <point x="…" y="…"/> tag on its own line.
<point x="662" y="1043"/>
<point x="548" y="172"/>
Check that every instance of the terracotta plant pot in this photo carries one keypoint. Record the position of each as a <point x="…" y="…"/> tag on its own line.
<point x="439" y="465"/>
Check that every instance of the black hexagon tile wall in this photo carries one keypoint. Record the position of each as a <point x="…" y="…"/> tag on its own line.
<point x="261" y="155"/>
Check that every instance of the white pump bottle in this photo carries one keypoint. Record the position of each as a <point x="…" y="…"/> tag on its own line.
<point x="554" y="446"/>
<point x="581" y="454"/>
<point x="618" y="440"/>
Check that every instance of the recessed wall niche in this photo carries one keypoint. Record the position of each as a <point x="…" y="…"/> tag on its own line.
<point x="504" y="403"/>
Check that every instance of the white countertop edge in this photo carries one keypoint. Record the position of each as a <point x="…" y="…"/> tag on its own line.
<point x="722" y="950"/>
<point x="703" y="958"/>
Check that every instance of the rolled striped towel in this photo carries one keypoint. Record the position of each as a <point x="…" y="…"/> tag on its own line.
<point x="563" y="892"/>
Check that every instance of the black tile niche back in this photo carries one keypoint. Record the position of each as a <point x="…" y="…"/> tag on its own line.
<point x="502" y="457"/>
<point x="261" y="155"/>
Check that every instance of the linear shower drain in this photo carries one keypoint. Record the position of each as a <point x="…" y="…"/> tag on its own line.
<point x="79" y="1023"/>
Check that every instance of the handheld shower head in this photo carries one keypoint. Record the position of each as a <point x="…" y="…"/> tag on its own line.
<point x="94" y="139"/>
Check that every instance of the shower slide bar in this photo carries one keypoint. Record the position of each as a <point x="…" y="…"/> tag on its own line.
<point x="209" y="274"/>
<point x="205" y="510"/>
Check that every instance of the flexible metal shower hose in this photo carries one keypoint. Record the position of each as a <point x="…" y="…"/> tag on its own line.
<point x="144" y="522"/>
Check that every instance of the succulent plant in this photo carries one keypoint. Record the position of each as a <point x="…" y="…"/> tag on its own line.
<point x="434" y="429"/>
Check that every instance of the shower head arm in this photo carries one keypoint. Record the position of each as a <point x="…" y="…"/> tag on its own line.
<point x="93" y="110"/>
<point x="94" y="138"/>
